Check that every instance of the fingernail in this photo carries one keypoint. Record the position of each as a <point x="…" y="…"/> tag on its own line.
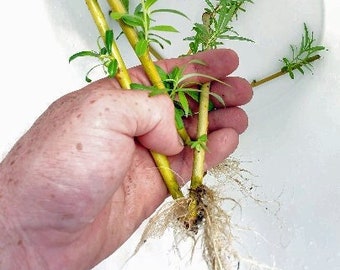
<point x="180" y="140"/>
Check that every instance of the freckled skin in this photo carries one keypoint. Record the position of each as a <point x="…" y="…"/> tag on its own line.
<point x="81" y="183"/>
<point x="79" y="146"/>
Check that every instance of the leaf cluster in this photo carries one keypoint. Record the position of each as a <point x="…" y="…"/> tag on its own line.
<point x="302" y="55"/>
<point x="215" y="26"/>
<point x="104" y="55"/>
<point x="181" y="89"/>
<point x="142" y="19"/>
<point x="200" y="143"/>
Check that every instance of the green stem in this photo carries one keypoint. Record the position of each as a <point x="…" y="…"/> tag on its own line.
<point x="283" y="71"/>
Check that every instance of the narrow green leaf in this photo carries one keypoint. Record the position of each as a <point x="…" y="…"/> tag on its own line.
<point x="138" y="86"/>
<point x="109" y="40"/>
<point x="230" y="37"/>
<point x="184" y="103"/>
<point x="112" y="68"/>
<point x="126" y="4"/>
<point x="87" y="78"/>
<point x="218" y="97"/>
<point x="191" y="75"/>
<point x="164" y="28"/>
<point x="141" y="47"/>
<point x="149" y="3"/>
<point x="155" y="91"/>
<point x="132" y="20"/>
<point x="301" y="70"/>
<point x="198" y="61"/>
<point x="116" y="15"/>
<point x="82" y="54"/>
<point x="194" y="95"/>
<point x="178" y="118"/>
<point x="103" y="51"/>
<point x="168" y="10"/>
<point x="160" y="37"/>
<point x="162" y="73"/>
<point x="203" y="138"/>
<point x="138" y="9"/>
<point x="153" y="40"/>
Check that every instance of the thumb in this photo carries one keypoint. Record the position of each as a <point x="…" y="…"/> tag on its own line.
<point x="154" y="122"/>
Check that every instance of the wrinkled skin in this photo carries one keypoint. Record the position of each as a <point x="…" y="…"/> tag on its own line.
<point x="81" y="180"/>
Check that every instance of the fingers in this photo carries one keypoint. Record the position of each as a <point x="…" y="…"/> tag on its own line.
<point x="217" y="63"/>
<point x="233" y="117"/>
<point x="221" y="144"/>
<point x="156" y="126"/>
<point x="136" y="115"/>
<point x="235" y="92"/>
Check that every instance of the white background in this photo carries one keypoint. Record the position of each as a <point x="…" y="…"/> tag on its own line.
<point x="291" y="146"/>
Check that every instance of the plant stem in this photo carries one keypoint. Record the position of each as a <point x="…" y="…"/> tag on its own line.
<point x="202" y="130"/>
<point x="145" y="59"/>
<point x="122" y="75"/>
<point x="199" y="158"/>
<point x="155" y="53"/>
<point x="132" y="36"/>
<point x="161" y="161"/>
<point x="168" y="175"/>
<point x="283" y="71"/>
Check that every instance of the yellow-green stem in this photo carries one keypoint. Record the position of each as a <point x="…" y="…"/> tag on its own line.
<point x="168" y="175"/>
<point x="255" y="83"/>
<point x="202" y="130"/>
<point x="122" y="75"/>
<point x="199" y="156"/>
<point x="132" y="36"/>
<point x="145" y="59"/>
<point x="161" y="161"/>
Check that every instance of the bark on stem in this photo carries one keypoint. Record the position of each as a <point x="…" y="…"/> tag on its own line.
<point x="199" y="160"/>
<point x="122" y="75"/>
<point x="202" y="130"/>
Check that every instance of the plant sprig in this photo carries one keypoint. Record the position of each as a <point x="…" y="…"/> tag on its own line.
<point x="104" y="55"/>
<point x="200" y="144"/>
<point x="215" y="26"/>
<point x="303" y="56"/>
<point x="142" y="20"/>
<point x="180" y="89"/>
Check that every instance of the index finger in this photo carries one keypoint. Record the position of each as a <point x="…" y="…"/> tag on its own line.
<point x="218" y="63"/>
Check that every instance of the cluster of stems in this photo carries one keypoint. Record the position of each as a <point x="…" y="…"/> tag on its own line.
<point x="124" y="80"/>
<point x="150" y="69"/>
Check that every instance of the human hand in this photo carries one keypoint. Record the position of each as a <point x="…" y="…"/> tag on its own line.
<point x="81" y="180"/>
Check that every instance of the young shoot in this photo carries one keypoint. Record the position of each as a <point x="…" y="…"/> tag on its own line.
<point x="142" y="19"/>
<point x="302" y="55"/>
<point x="215" y="26"/>
<point x="200" y="144"/>
<point x="104" y="55"/>
<point x="181" y="89"/>
<point x="301" y="58"/>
